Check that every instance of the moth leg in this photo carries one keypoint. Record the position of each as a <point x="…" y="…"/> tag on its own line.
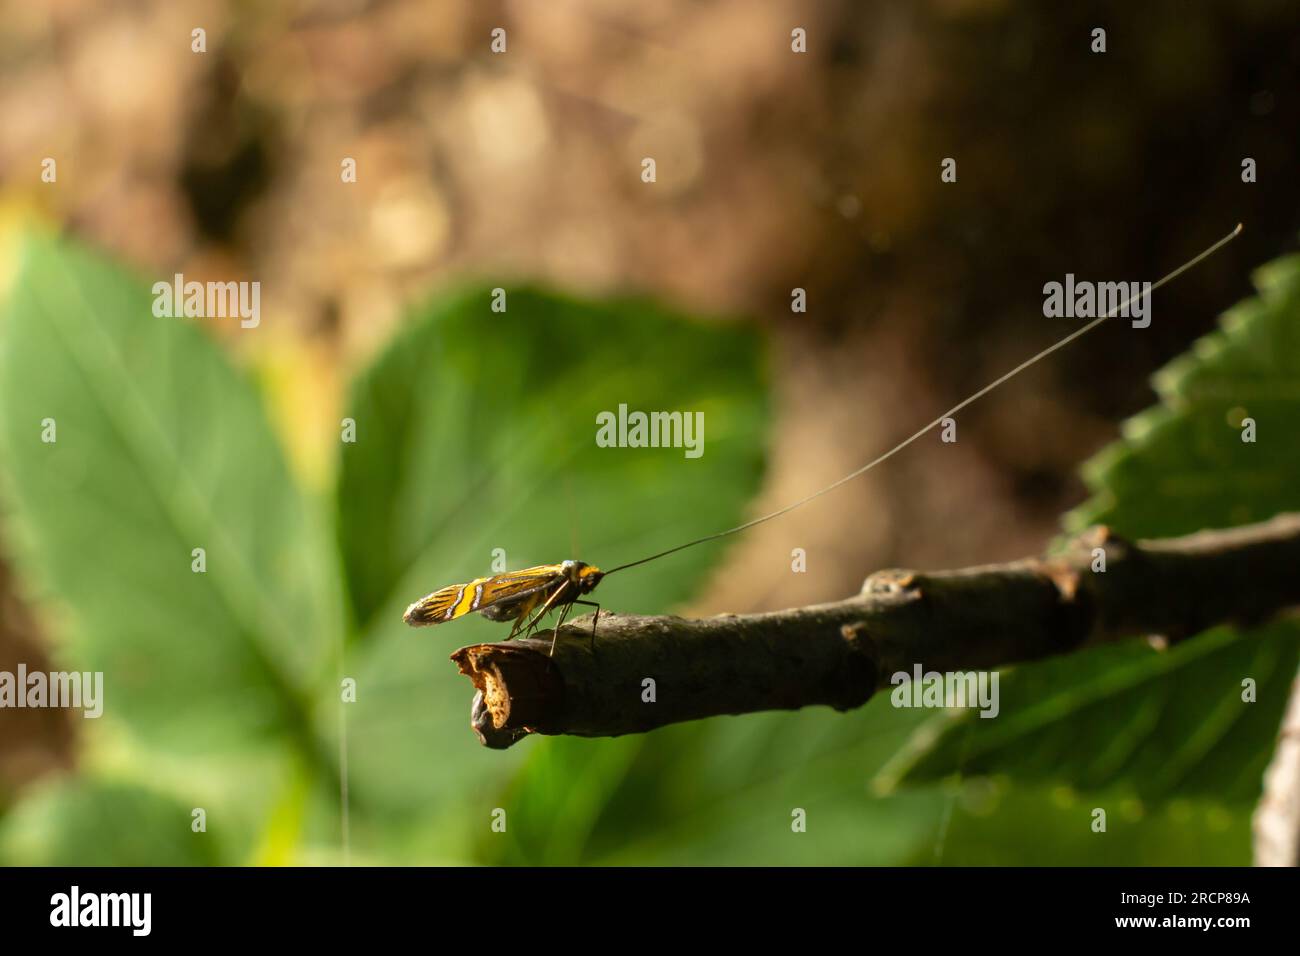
<point x="556" y="633"/>
<point x="550" y="603"/>
<point x="522" y="610"/>
<point x="594" y="619"/>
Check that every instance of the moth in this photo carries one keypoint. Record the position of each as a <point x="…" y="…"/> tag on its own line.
<point x="515" y="595"/>
<point x="524" y="597"/>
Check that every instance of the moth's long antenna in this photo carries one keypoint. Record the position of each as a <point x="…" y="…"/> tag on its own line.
<point x="1123" y="307"/>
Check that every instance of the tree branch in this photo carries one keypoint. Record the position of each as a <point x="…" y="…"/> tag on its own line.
<point x="839" y="654"/>
<point x="1276" y="823"/>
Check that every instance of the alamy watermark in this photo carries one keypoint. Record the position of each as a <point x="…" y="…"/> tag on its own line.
<point x="949" y="689"/>
<point x="1090" y="300"/>
<point x="130" y="910"/>
<point x="209" y="300"/>
<point x="638" y="429"/>
<point x="56" y="689"/>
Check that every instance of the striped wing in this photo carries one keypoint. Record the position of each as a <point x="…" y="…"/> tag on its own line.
<point x="457" y="600"/>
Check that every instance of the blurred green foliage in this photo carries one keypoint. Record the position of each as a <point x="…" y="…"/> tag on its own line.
<point x="474" y="432"/>
<point x="1140" y="723"/>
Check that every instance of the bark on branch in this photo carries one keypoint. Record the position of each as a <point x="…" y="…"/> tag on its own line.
<point x="839" y="654"/>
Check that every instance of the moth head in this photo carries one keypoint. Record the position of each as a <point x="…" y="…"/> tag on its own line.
<point x="584" y="576"/>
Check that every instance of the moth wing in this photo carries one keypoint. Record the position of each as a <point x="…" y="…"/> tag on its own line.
<point x="457" y="600"/>
<point x="518" y="583"/>
<point x="442" y="605"/>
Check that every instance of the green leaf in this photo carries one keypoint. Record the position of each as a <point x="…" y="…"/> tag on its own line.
<point x="1127" y="717"/>
<point x="162" y="447"/>
<point x="85" y="822"/>
<point x="1147" y="723"/>
<point x="721" y="791"/>
<point x="1183" y="465"/>
<point x="991" y="823"/>
<point x="476" y="431"/>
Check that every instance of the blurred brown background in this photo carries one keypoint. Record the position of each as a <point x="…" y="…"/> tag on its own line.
<point x="775" y="170"/>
